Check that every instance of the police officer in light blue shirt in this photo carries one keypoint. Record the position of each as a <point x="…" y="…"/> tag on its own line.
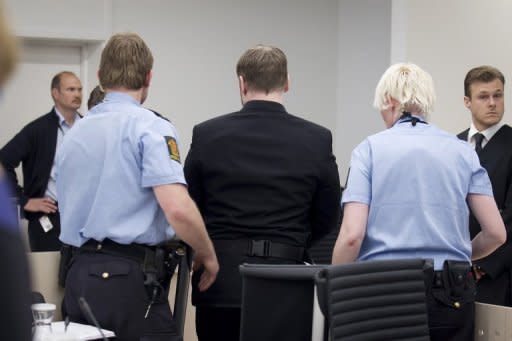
<point x="407" y="196"/>
<point x="119" y="137"/>
<point x="122" y="193"/>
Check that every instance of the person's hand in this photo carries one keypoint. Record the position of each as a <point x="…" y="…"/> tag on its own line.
<point x="211" y="268"/>
<point x="479" y="273"/>
<point x="45" y="205"/>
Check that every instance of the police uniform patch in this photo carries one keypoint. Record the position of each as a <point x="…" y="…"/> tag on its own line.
<point x="172" y="147"/>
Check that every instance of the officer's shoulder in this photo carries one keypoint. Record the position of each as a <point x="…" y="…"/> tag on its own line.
<point x="148" y="115"/>
<point x="451" y="137"/>
<point x="157" y="114"/>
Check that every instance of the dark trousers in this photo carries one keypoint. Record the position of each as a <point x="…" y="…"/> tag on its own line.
<point x="495" y="290"/>
<point x="217" y="323"/>
<point x="449" y="323"/>
<point x="445" y="320"/>
<point x="114" y="288"/>
<point x="44" y="241"/>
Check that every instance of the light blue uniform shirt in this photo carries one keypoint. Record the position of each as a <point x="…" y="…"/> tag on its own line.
<point x="415" y="180"/>
<point x="106" y="168"/>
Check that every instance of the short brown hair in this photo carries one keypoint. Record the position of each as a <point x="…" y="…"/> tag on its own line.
<point x="484" y="74"/>
<point x="55" y="83"/>
<point x="264" y="68"/>
<point x="125" y="62"/>
<point x="97" y="95"/>
<point x="8" y="49"/>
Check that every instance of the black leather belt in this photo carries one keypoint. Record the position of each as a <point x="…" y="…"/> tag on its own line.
<point x="262" y="248"/>
<point x="136" y="252"/>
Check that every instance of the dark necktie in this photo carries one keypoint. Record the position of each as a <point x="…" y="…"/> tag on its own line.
<point x="478" y="142"/>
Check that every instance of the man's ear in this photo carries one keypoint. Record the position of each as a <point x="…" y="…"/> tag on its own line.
<point x="147" y="81"/>
<point x="467" y="102"/>
<point x="287" y="84"/>
<point x="99" y="84"/>
<point x="54" y="93"/>
<point x="392" y="104"/>
<point x="242" y="85"/>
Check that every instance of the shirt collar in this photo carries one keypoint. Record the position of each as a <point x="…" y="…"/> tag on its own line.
<point x="62" y="120"/>
<point x="488" y="133"/>
<point x="115" y="96"/>
<point x="262" y="105"/>
<point x="408" y="119"/>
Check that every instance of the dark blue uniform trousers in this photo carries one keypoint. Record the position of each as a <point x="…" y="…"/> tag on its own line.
<point x="114" y="288"/>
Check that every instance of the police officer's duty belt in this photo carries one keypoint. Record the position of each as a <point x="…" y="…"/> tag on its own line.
<point x="136" y="252"/>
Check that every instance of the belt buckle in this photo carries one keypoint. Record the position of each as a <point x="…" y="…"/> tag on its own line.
<point x="260" y="248"/>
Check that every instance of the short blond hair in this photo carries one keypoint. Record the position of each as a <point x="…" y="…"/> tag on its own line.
<point x="8" y="49"/>
<point x="125" y="62"/>
<point x="408" y="84"/>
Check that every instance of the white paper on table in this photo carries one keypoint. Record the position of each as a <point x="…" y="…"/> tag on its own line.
<point x="81" y="331"/>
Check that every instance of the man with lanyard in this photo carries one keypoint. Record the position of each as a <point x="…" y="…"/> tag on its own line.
<point x="15" y="315"/>
<point x="116" y="214"/>
<point x="407" y="196"/>
<point x="35" y="147"/>
<point x="484" y="96"/>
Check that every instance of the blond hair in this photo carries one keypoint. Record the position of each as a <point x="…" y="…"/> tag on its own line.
<point x="125" y="62"/>
<point x="408" y="84"/>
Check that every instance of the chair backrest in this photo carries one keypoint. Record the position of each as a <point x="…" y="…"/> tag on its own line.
<point x="374" y="300"/>
<point x="277" y="302"/>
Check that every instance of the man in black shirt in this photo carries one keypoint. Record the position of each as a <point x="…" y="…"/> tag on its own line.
<point x="266" y="183"/>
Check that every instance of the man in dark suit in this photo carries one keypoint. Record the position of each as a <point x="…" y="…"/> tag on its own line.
<point x="34" y="147"/>
<point x="266" y="183"/>
<point x="492" y="139"/>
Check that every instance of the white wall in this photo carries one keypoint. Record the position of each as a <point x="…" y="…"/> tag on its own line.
<point x="196" y="45"/>
<point x="363" y="55"/>
<point x="337" y="51"/>
<point x="61" y="19"/>
<point x="448" y="38"/>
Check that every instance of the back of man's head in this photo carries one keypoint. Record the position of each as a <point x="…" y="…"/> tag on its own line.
<point x="481" y="74"/>
<point x="126" y="62"/>
<point x="95" y="97"/>
<point x="263" y="68"/>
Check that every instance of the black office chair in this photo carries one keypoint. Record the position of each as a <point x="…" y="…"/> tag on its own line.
<point x="374" y="300"/>
<point x="277" y="302"/>
<point x="37" y="297"/>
